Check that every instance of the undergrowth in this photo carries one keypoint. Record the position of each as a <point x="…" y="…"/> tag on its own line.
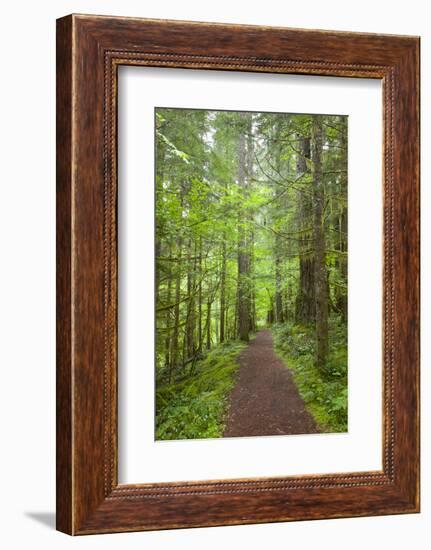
<point x="324" y="393"/>
<point x="195" y="406"/>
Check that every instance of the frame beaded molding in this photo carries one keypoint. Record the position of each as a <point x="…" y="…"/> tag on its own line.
<point x="250" y="64"/>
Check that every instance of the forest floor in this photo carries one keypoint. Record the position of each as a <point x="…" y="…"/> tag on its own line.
<point x="265" y="399"/>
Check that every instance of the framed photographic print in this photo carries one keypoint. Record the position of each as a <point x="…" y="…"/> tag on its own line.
<point x="237" y="274"/>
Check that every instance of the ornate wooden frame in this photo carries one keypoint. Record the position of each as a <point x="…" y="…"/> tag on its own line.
<point x="89" y="51"/>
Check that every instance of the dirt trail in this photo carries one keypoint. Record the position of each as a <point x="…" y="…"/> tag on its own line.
<point x="265" y="400"/>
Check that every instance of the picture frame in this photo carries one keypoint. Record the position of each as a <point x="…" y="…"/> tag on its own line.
<point x="89" y="51"/>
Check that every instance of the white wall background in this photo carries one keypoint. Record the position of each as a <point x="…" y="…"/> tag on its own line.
<point x="27" y="287"/>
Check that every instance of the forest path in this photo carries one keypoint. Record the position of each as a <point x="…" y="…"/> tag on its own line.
<point x="265" y="399"/>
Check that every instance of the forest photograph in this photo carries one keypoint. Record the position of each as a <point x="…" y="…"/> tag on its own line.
<point x="250" y="273"/>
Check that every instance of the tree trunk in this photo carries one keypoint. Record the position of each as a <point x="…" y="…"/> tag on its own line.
<point x="175" y="332"/>
<point x="277" y="252"/>
<point x="200" y="298"/>
<point x="157" y="254"/>
<point x="208" y="324"/>
<point x="168" y="317"/>
<point x="320" y="271"/>
<point x="251" y="284"/>
<point x="243" y="259"/>
<point x="305" y="309"/>
<point x="305" y="306"/>
<point x="190" y="325"/>
<point x="341" y="293"/>
<point x="223" y="290"/>
<point x="279" y="316"/>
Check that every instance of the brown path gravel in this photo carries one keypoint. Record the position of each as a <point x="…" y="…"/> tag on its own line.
<point x="265" y="400"/>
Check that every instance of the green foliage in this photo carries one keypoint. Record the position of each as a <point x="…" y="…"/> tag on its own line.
<point x="325" y="393"/>
<point x="194" y="407"/>
<point x="180" y="154"/>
